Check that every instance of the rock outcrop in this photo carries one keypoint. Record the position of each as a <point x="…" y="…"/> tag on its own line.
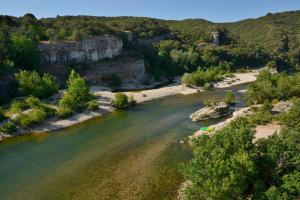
<point x="212" y="112"/>
<point x="129" y="70"/>
<point x="91" y="49"/>
<point x="283" y="106"/>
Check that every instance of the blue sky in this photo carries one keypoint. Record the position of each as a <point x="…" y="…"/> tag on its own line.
<point x="213" y="10"/>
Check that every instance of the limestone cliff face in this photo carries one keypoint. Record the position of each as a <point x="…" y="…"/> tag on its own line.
<point x="129" y="70"/>
<point x="90" y="49"/>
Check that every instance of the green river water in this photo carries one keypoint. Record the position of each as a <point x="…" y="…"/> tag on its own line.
<point x="132" y="154"/>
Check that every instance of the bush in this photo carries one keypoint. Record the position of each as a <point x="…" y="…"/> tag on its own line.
<point x="273" y="86"/>
<point x="93" y="105"/>
<point x="262" y="115"/>
<point x="17" y="106"/>
<point x="23" y="120"/>
<point x="120" y="101"/>
<point x="8" y="127"/>
<point x="64" y="112"/>
<point x="200" y="77"/>
<point x="31" y="83"/>
<point x="32" y="101"/>
<point x="50" y="111"/>
<point x="35" y="116"/>
<point x="230" y="98"/>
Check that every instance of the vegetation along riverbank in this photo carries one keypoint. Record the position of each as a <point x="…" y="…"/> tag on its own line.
<point x="254" y="153"/>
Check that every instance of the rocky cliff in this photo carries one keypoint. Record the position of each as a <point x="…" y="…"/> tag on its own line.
<point x="128" y="69"/>
<point x="57" y="57"/>
<point x="90" y="49"/>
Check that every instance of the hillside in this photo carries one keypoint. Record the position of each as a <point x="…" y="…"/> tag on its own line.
<point x="265" y="31"/>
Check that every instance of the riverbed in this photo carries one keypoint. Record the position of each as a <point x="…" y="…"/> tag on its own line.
<point x="133" y="154"/>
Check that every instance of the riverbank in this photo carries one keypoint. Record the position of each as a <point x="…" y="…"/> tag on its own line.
<point x="178" y="88"/>
<point x="261" y="131"/>
<point x="242" y="112"/>
<point x="104" y="97"/>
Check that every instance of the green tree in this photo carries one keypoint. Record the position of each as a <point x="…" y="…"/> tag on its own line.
<point x="222" y="164"/>
<point x="77" y="94"/>
<point x="25" y="52"/>
<point x="31" y="83"/>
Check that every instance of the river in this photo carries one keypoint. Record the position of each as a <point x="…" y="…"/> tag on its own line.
<point x="133" y="154"/>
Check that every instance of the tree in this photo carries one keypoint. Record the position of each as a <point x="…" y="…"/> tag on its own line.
<point x="31" y="83"/>
<point x="25" y="52"/>
<point x="223" y="163"/>
<point x="77" y="94"/>
<point x="230" y="165"/>
<point x="28" y="19"/>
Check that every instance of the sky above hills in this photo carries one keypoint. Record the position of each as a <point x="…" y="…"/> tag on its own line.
<point x="213" y="10"/>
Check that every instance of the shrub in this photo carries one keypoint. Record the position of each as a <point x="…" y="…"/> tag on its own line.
<point x="92" y="105"/>
<point x="262" y="115"/>
<point x="32" y="101"/>
<point x="35" y="116"/>
<point x="23" y="120"/>
<point x="31" y="83"/>
<point x="17" y="106"/>
<point x="200" y="77"/>
<point x="64" y="112"/>
<point x="273" y="86"/>
<point x="120" y="101"/>
<point x="50" y="111"/>
<point x="8" y="127"/>
<point x="230" y="98"/>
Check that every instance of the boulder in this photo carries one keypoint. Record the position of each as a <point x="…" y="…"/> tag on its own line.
<point x="212" y="112"/>
<point x="283" y="106"/>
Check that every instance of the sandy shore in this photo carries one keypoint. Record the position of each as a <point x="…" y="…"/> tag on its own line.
<point x="105" y="97"/>
<point x="263" y="131"/>
<point x="177" y="88"/>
